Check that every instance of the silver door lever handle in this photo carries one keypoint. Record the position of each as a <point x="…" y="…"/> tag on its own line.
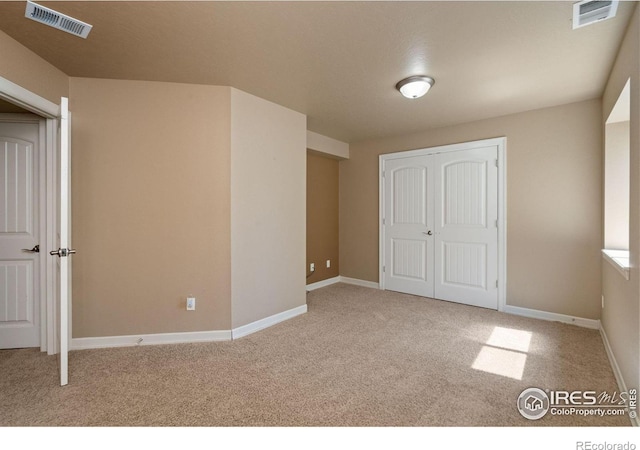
<point x="62" y="252"/>
<point x="35" y="249"/>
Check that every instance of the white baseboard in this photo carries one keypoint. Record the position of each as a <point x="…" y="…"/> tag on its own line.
<point x="267" y="322"/>
<point x="616" y="369"/>
<point x="149" y="339"/>
<point x="186" y="337"/>
<point x="323" y="283"/>
<point x="357" y="282"/>
<point x="341" y="279"/>
<point x="554" y="317"/>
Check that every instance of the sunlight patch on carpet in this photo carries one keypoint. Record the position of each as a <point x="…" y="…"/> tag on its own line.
<point x="510" y="339"/>
<point x="505" y="353"/>
<point x="501" y="362"/>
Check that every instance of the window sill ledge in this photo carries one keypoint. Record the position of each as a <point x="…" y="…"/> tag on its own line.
<point x="619" y="259"/>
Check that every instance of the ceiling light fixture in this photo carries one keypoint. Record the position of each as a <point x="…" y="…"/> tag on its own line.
<point x="416" y="86"/>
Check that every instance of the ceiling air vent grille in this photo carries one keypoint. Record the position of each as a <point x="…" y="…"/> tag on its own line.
<point x="57" y="20"/>
<point x="591" y="11"/>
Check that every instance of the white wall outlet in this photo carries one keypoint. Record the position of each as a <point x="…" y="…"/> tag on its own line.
<point x="191" y="303"/>
<point x="312" y="267"/>
<point x="328" y="263"/>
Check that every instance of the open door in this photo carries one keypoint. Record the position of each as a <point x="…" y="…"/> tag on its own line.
<point x="64" y="233"/>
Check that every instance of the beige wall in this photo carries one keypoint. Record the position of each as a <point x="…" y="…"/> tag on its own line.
<point x="325" y="145"/>
<point x="184" y="190"/>
<point x="268" y="208"/>
<point x="322" y="216"/>
<point x="616" y="187"/>
<point x="23" y="67"/>
<point x="554" y="207"/>
<point x="620" y="316"/>
<point x="151" y="207"/>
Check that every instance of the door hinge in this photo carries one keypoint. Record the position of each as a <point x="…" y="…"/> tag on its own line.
<point x="384" y="269"/>
<point x="384" y="173"/>
<point x="384" y="221"/>
<point x="496" y="223"/>
<point x="497" y="164"/>
<point x="497" y="283"/>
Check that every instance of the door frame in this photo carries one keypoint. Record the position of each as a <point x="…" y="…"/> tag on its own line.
<point x="49" y="113"/>
<point x="501" y="143"/>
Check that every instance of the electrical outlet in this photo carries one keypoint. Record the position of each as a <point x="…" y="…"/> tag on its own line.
<point x="328" y="263"/>
<point x="312" y="267"/>
<point x="191" y="303"/>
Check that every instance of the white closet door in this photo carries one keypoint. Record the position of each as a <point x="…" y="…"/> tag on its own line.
<point x="466" y="249"/>
<point x="408" y="225"/>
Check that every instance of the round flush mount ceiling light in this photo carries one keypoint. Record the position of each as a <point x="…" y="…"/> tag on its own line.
<point x="416" y="86"/>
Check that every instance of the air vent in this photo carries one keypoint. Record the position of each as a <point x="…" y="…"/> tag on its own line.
<point x="57" y="20"/>
<point x="592" y="11"/>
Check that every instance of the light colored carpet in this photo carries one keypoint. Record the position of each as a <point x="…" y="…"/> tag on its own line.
<point x="359" y="357"/>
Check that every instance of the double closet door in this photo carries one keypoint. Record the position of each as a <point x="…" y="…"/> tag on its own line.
<point x="440" y="225"/>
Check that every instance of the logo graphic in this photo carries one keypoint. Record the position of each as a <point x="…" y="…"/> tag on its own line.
<point x="533" y="403"/>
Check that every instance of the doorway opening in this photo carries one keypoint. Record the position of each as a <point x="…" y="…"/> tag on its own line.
<point x="53" y="189"/>
<point x="23" y="229"/>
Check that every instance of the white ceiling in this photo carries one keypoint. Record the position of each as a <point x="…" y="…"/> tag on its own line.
<point x="338" y="62"/>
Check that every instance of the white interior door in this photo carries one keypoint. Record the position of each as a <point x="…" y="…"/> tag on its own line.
<point x="64" y="233"/>
<point x="466" y="229"/>
<point x="440" y="224"/>
<point x="408" y="217"/>
<point x="19" y="236"/>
